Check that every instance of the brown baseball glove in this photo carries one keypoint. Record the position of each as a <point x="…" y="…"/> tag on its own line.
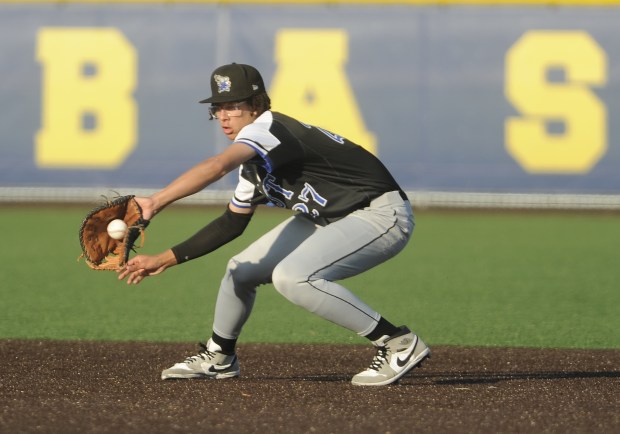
<point x="101" y="251"/>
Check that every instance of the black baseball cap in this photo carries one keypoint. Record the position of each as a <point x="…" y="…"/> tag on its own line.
<point x="234" y="82"/>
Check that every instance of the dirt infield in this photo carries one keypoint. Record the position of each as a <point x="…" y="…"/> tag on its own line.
<point x="94" y="387"/>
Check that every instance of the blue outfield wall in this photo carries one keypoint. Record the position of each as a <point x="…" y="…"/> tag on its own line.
<point x="454" y="98"/>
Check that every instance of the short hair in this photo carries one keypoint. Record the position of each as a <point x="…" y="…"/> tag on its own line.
<point x="260" y="103"/>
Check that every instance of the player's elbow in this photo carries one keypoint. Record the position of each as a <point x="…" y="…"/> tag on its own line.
<point x="215" y="168"/>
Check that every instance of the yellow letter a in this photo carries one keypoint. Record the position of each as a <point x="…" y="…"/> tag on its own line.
<point x="311" y="85"/>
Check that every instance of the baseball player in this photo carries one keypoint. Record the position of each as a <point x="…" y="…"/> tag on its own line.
<point x="349" y="216"/>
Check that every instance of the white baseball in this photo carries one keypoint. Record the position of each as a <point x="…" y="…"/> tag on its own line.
<point x="117" y="229"/>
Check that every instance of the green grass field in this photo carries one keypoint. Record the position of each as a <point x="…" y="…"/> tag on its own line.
<point x="467" y="278"/>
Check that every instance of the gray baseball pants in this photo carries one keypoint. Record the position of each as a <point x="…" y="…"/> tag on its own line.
<point x="304" y="260"/>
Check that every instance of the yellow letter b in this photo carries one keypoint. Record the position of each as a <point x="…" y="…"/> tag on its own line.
<point x="88" y="112"/>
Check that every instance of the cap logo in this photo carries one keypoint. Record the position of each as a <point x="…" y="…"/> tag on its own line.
<point x="254" y="87"/>
<point x="223" y="83"/>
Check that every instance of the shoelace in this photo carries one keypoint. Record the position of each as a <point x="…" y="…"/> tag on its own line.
<point x="204" y="354"/>
<point x="379" y="359"/>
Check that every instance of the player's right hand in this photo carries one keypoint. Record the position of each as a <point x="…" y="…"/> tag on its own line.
<point x="143" y="266"/>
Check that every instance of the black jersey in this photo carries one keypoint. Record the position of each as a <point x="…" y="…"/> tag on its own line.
<point x="307" y="169"/>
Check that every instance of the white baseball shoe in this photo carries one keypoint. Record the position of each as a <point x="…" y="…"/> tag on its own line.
<point x="210" y="362"/>
<point x="396" y="355"/>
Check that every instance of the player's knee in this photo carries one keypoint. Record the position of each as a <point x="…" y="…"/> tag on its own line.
<point x="240" y="273"/>
<point x="287" y="281"/>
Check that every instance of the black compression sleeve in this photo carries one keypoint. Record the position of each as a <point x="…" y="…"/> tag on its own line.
<point x="220" y="231"/>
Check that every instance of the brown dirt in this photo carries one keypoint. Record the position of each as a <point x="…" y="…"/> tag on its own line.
<point x="104" y="387"/>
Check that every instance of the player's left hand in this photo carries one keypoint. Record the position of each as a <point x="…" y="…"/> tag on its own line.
<point x="148" y="207"/>
<point x="99" y="248"/>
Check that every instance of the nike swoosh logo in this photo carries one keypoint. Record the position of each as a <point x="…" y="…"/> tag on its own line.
<point x="402" y="362"/>
<point x="221" y="368"/>
<point x="214" y="369"/>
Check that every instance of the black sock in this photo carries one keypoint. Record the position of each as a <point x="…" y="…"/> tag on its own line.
<point x="227" y="345"/>
<point x="384" y="327"/>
